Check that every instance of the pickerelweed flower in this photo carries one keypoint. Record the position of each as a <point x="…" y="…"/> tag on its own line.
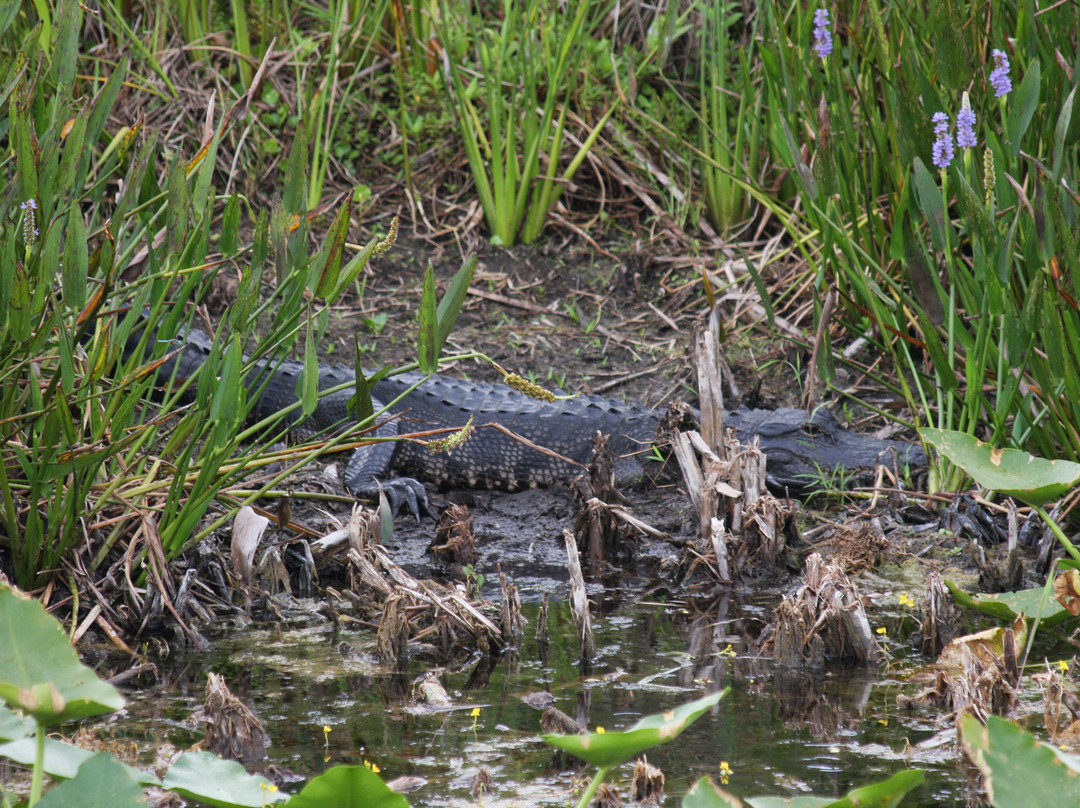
<point x="999" y="76"/>
<point x="822" y="37"/>
<point x="30" y="231"/>
<point x="965" y="125"/>
<point x="943" y="143"/>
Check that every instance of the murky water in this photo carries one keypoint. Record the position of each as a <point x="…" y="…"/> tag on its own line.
<point x="781" y="732"/>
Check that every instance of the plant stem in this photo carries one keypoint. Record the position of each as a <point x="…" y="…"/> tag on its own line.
<point x="1070" y="548"/>
<point x="590" y="792"/>
<point x="39" y="765"/>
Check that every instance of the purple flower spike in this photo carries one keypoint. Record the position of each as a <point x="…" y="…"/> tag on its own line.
<point x="999" y="77"/>
<point x="965" y="128"/>
<point x="822" y="37"/>
<point x="943" y="142"/>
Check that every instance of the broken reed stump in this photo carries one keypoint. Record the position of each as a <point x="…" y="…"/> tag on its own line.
<point x="941" y="620"/>
<point x="513" y="623"/>
<point x="454" y="544"/>
<point x="977" y="673"/>
<point x="579" y="602"/>
<point x="823" y="621"/>
<point x="740" y="524"/>
<point x="424" y="608"/>
<point x="647" y="783"/>
<point x="232" y="730"/>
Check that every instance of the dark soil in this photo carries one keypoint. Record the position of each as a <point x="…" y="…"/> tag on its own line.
<point x="578" y="321"/>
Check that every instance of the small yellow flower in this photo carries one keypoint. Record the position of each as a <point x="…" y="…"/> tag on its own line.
<point x="475" y="712"/>
<point x="326" y="729"/>
<point x="268" y="787"/>
<point x="905" y="600"/>
<point x="373" y="766"/>
<point x="599" y="730"/>
<point x="1063" y="665"/>
<point x="883" y="721"/>
<point x="882" y="630"/>
<point x="728" y="652"/>
<point x="725" y="772"/>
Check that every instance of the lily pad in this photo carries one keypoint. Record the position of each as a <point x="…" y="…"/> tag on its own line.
<point x="345" y="787"/>
<point x="63" y="760"/>
<point x="1019" y="771"/>
<point x="40" y="673"/>
<point x="606" y="749"/>
<point x="102" y="782"/>
<point x="1030" y="479"/>
<point x="1008" y="605"/>
<point x="206" y="778"/>
<point x="705" y="793"/>
<point x="887" y="794"/>
<point x="14" y="726"/>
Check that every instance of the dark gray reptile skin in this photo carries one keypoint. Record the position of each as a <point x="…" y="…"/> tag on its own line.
<point x="798" y="450"/>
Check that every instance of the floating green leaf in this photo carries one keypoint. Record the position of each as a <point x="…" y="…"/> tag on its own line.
<point x="63" y="760"/>
<point x="208" y="779"/>
<point x="14" y="726"/>
<point x="606" y="749"/>
<point x="887" y="794"/>
<point x="347" y="786"/>
<point x="705" y="793"/>
<point x="102" y="782"/>
<point x="1007" y="605"/>
<point x="1030" y="479"/>
<point x="1019" y="771"/>
<point x="40" y="673"/>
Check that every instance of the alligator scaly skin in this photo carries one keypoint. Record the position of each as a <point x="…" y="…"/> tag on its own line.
<point x="798" y="449"/>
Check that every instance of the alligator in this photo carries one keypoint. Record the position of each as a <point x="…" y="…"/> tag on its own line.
<point x="800" y="449"/>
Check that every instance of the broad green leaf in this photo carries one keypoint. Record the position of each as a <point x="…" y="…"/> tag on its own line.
<point x="931" y="204"/>
<point x="453" y="298"/>
<point x="309" y="380"/>
<point x="62" y="760"/>
<point x="887" y="794"/>
<point x="206" y="778"/>
<point x="359" y="405"/>
<point x="346" y="787"/>
<point x="1023" y="107"/>
<point x="353" y="269"/>
<point x="14" y="726"/>
<point x="328" y="260"/>
<point x="230" y="222"/>
<point x="227" y="402"/>
<point x="705" y="793"/>
<point x="102" y="782"/>
<point x="65" y="55"/>
<point x="1061" y="132"/>
<point x="608" y="749"/>
<point x="1008" y="605"/>
<point x="176" y="211"/>
<point x="1019" y="771"/>
<point x="76" y="259"/>
<point x="40" y="673"/>
<point x="1016" y="473"/>
<point x="428" y="346"/>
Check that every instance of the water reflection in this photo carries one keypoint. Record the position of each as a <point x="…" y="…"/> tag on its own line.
<point x="782" y="732"/>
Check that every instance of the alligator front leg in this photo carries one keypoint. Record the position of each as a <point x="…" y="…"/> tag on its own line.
<point x="365" y="473"/>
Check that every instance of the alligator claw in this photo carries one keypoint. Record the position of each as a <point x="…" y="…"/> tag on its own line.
<point x="405" y="491"/>
<point x="403" y="494"/>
